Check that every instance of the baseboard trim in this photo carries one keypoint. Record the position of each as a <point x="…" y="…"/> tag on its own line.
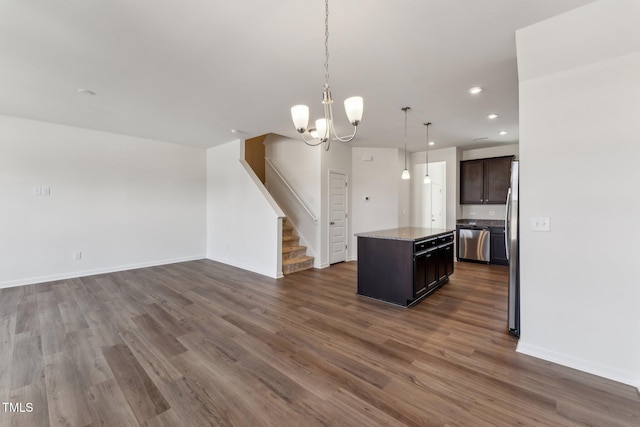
<point x="246" y="267"/>
<point x="93" y="272"/>
<point x="579" y="364"/>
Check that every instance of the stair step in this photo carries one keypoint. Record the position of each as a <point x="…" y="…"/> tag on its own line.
<point x="290" y="240"/>
<point x="287" y="231"/>
<point x="294" y="265"/>
<point x="289" y="252"/>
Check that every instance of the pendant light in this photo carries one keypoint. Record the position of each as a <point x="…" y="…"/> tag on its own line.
<point x="324" y="131"/>
<point x="427" y="179"/>
<point x="405" y="172"/>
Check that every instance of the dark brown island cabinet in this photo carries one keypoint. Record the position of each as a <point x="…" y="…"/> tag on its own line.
<point x="485" y="181"/>
<point x="404" y="265"/>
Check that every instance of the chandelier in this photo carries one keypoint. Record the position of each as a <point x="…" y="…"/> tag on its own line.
<point x="324" y="131"/>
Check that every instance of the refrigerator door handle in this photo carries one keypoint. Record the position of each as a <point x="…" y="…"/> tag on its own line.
<point x="507" y="212"/>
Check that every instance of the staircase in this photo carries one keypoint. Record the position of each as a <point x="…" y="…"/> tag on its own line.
<point x="294" y="256"/>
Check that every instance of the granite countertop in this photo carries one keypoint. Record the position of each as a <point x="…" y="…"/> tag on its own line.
<point x="405" y="233"/>
<point x="481" y="222"/>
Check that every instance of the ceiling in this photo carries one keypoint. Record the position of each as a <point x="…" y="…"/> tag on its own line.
<point x="190" y="71"/>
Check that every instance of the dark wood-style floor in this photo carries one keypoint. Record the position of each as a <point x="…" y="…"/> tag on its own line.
<point x="201" y="343"/>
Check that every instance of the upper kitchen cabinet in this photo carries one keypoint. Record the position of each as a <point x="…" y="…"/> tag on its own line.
<point x="485" y="181"/>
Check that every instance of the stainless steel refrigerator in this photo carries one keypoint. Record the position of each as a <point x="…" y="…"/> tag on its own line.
<point x="512" y="232"/>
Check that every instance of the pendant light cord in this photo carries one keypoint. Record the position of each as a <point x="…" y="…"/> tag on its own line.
<point x="427" y="149"/>
<point x="405" y="109"/>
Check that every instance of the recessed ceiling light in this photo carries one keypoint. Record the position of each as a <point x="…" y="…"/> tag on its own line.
<point x="503" y="132"/>
<point x="475" y="90"/>
<point x="86" y="92"/>
<point x="432" y="143"/>
<point x="492" y="116"/>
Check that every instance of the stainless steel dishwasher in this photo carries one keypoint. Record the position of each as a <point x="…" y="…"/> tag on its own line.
<point x="474" y="243"/>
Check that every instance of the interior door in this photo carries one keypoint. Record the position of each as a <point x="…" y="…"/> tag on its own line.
<point x="437" y="220"/>
<point x="337" y="217"/>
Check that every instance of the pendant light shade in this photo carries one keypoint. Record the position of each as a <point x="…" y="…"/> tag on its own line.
<point x="405" y="172"/>
<point x="427" y="179"/>
<point x="353" y="107"/>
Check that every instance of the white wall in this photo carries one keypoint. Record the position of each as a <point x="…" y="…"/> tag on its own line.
<point x="423" y="196"/>
<point x="379" y="180"/>
<point x="499" y="151"/>
<point x="244" y="228"/>
<point x="123" y="202"/>
<point x="579" y="110"/>
<point x="487" y="211"/>
<point x="300" y="165"/>
<point x="450" y="157"/>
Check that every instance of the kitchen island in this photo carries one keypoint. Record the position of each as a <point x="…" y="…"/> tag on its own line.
<point x="404" y="265"/>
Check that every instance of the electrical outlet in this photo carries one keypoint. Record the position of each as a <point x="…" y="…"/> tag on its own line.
<point x="77" y="255"/>
<point x="540" y="224"/>
<point x="46" y="191"/>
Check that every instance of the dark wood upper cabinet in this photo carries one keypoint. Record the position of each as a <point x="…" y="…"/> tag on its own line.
<point x="485" y="181"/>
<point x="472" y="182"/>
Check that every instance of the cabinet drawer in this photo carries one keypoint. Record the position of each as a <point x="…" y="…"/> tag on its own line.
<point x="424" y="245"/>
<point x="445" y="239"/>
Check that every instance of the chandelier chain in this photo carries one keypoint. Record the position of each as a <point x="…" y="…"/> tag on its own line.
<point x="326" y="42"/>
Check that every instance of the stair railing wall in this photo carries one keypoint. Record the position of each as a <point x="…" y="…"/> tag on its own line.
<point x="298" y="213"/>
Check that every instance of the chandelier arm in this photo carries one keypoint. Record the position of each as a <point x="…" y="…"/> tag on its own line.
<point x="310" y="142"/>
<point x="347" y="138"/>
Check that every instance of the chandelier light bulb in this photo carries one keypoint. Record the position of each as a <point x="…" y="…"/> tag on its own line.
<point x="321" y="129"/>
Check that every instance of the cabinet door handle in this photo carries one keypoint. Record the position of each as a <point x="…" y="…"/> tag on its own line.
<point x="331" y="223"/>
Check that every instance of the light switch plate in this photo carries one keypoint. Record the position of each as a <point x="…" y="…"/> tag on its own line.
<point x="539" y="223"/>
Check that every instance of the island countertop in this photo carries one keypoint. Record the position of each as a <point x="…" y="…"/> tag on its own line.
<point x="405" y="233"/>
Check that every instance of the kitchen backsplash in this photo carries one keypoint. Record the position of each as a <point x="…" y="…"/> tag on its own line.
<point x="483" y="211"/>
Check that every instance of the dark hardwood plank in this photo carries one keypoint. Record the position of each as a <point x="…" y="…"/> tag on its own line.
<point x="51" y="324"/>
<point x="108" y="405"/>
<point x="27" y="363"/>
<point x="202" y="343"/>
<point x="67" y="405"/>
<point x="27" y="317"/>
<point x="143" y="396"/>
<point x="90" y="364"/>
<point x="7" y="331"/>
